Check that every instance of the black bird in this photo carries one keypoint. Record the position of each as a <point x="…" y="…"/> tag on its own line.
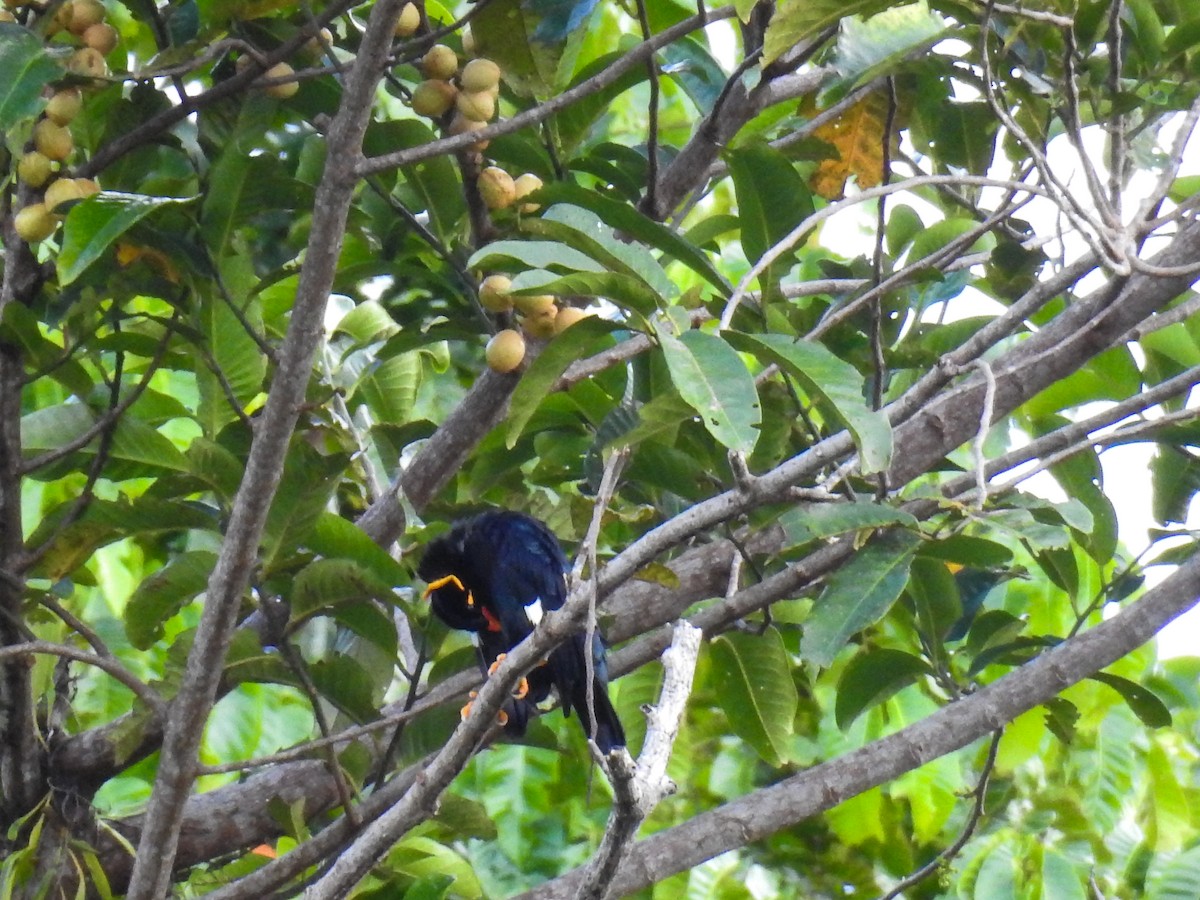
<point x="494" y="575"/>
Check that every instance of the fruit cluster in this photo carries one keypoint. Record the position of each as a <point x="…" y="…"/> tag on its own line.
<point x="82" y="23"/>
<point x="52" y="145"/>
<point x="464" y="100"/>
<point x="540" y="317"/>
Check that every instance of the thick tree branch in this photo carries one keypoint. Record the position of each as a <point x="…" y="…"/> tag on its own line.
<point x="957" y="725"/>
<point x="177" y="764"/>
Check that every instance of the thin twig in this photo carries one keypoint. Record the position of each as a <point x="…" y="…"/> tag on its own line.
<point x="980" y="795"/>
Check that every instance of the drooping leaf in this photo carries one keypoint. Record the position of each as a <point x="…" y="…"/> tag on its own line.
<point x="551" y="255"/>
<point x="25" y="68"/>
<point x="857" y="136"/>
<point x="833" y="383"/>
<point x="772" y="200"/>
<point x="343" y="681"/>
<point x="230" y="361"/>
<point x="756" y="690"/>
<point x="692" y="66"/>
<point x="858" y="595"/>
<point x="582" y="229"/>
<point x="795" y="20"/>
<point x="327" y="583"/>
<point x="535" y="43"/>
<point x="164" y="593"/>
<point x="333" y="536"/>
<point x="1144" y="702"/>
<point x="627" y="219"/>
<point x="574" y="343"/>
<point x="804" y="524"/>
<point x="627" y="291"/>
<point x="715" y="382"/>
<point x="865" y="47"/>
<point x="1175" y="477"/>
<point x="873" y="676"/>
<point x="134" y="442"/>
<point x="95" y="223"/>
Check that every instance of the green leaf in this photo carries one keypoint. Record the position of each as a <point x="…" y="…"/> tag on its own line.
<point x="1179" y="879"/>
<point x="629" y="220"/>
<point x="933" y="238"/>
<point x="872" y="677"/>
<point x="582" y="229"/>
<point x="309" y="480"/>
<point x="1143" y="701"/>
<point x="1175" y="478"/>
<point x="865" y="49"/>
<point x="795" y="20"/>
<point x="536" y="44"/>
<point x="772" y="200"/>
<point x="835" y="384"/>
<point x="326" y="583"/>
<point x="25" y="68"/>
<point x="756" y="690"/>
<point x="715" y="382"/>
<point x="804" y="524"/>
<point x="164" y="593"/>
<point x="133" y="442"/>
<point x="95" y="222"/>
<point x="858" y="595"/>
<point x="235" y="355"/>
<point x="500" y="255"/>
<point x="333" y="536"/>
<point x="627" y="291"/>
<point x="344" y="682"/>
<point x="574" y="343"/>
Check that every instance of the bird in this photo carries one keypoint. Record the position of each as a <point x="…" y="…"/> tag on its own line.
<point x="494" y="575"/>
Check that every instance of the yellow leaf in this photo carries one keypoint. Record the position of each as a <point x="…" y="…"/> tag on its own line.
<point x="857" y="136"/>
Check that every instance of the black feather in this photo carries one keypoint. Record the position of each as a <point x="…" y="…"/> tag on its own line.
<point x="493" y="573"/>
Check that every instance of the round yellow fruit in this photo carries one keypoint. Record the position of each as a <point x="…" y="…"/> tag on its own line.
<point x="87" y="187"/>
<point x="64" y="106"/>
<point x="534" y="305"/>
<point x="316" y="45"/>
<point x="460" y="124"/>
<point x="51" y="140"/>
<point x="88" y="62"/>
<point x="286" y="89"/>
<point x="541" y="324"/>
<point x="433" y="98"/>
<point x="83" y="14"/>
<point x="494" y="293"/>
<point x="526" y="184"/>
<point x="102" y="37"/>
<point x="34" y="168"/>
<point x="409" y="21"/>
<point x="478" y="106"/>
<point x="480" y="75"/>
<point x="439" y="61"/>
<point x="568" y="316"/>
<point x="505" y="351"/>
<point x="496" y="187"/>
<point x="34" y="223"/>
<point x="60" y="191"/>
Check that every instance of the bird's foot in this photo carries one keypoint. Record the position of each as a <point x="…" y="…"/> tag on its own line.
<point x="501" y="715"/>
<point x="522" y="688"/>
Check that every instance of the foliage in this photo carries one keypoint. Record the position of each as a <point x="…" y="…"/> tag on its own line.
<point x="243" y="385"/>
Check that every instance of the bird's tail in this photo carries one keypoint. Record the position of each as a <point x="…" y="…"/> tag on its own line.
<point x="604" y="727"/>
